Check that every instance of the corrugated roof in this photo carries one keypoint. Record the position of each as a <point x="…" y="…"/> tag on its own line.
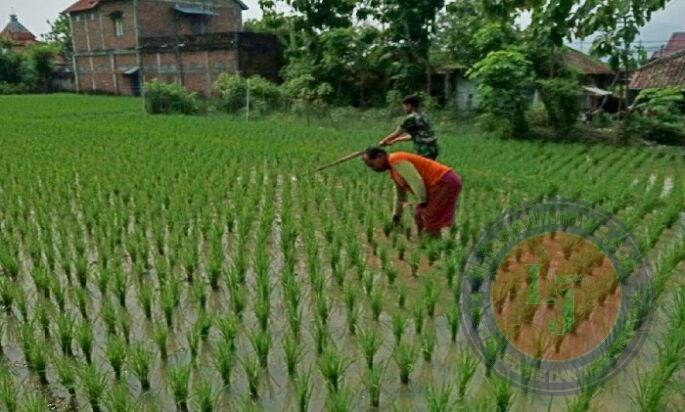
<point x="674" y="45"/>
<point x="583" y="63"/>
<point x="665" y="72"/>
<point x="194" y="10"/>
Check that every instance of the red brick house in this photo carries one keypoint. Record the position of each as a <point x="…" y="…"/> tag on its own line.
<point x="119" y="44"/>
<point x="667" y="71"/>
<point x="19" y="35"/>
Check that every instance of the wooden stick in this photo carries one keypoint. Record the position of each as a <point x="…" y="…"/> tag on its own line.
<point x="339" y="161"/>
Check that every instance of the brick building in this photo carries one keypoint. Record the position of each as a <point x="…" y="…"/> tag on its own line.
<point x="119" y="44"/>
<point x="20" y="36"/>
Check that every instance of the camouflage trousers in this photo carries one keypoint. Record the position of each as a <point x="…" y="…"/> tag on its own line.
<point x="430" y="151"/>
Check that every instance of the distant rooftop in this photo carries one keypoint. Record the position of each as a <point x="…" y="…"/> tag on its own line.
<point x="674" y="45"/>
<point x="17" y="32"/>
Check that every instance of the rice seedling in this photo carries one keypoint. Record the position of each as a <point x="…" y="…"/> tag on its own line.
<point x="223" y="360"/>
<point x="81" y="297"/>
<point x="399" y="324"/>
<point x="414" y="261"/>
<point x="405" y="355"/>
<point x="453" y="317"/>
<point x="22" y="303"/>
<point x="368" y="282"/>
<point x="341" y="400"/>
<point x="292" y="349"/>
<point x="261" y="343"/>
<point x="253" y="374"/>
<point x="428" y="340"/>
<point x="140" y="362"/>
<point x="228" y="328"/>
<point x="94" y="385"/>
<point x="117" y="353"/>
<point x="179" y="382"/>
<point x="438" y="398"/>
<point x="294" y="314"/>
<point x="204" y="397"/>
<point x="121" y="285"/>
<point x="160" y="336"/>
<point x="490" y="354"/>
<point x="8" y="392"/>
<point x="65" y="333"/>
<point x="34" y="401"/>
<point x="418" y="314"/>
<point x="203" y="323"/>
<point x="467" y="364"/>
<point x="120" y="399"/>
<point x="401" y="249"/>
<point x="503" y="393"/>
<point x="85" y="338"/>
<point x="376" y="299"/>
<point x="7" y="293"/>
<point x="193" y="338"/>
<point x="43" y="319"/>
<point x="322" y="307"/>
<point x="321" y="336"/>
<point x="303" y="390"/>
<point x="146" y="298"/>
<point x="108" y="313"/>
<point x="352" y="320"/>
<point x="401" y="290"/>
<point x="369" y="341"/>
<point x="41" y="281"/>
<point x="66" y="373"/>
<point x="199" y="294"/>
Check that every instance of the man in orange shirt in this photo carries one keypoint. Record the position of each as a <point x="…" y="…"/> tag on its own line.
<point x="435" y="186"/>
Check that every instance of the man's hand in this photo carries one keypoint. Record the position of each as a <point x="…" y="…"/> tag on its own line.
<point x="386" y="143"/>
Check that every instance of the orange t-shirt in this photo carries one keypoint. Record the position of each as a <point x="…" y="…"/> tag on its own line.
<point x="431" y="171"/>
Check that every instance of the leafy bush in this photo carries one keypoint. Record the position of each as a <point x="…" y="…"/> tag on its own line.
<point x="307" y="95"/>
<point x="659" y="116"/>
<point x="13" y="88"/>
<point x="561" y="98"/>
<point x="232" y="88"/>
<point x="505" y="86"/>
<point x="169" y="98"/>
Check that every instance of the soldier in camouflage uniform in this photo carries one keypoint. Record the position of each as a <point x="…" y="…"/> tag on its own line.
<point x="415" y="127"/>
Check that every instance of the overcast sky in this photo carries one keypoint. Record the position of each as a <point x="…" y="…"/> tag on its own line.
<point x="34" y="13"/>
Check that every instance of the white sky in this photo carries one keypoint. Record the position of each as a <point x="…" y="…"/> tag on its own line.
<point x="34" y="13"/>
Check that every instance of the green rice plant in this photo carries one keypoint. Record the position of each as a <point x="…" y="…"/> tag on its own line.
<point x="205" y="399"/>
<point x="223" y="360"/>
<point x="117" y="353"/>
<point x="253" y="374"/>
<point x="581" y="402"/>
<point x="430" y="296"/>
<point x="373" y="378"/>
<point x="476" y="310"/>
<point x="85" y="338"/>
<point x="376" y="300"/>
<point x="405" y="355"/>
<point x="503" y="393"/>
<point x="43" y="318"/>
<point x="303" y="390"/>
<point x="292" y="349"/>
<point x="321" y="336"/>
<point x="41" y="281"/>
<point x="81" y="266"/>
<point x="294" y="313"/>
<point x="146" y="298"/>
<point x="414" y="261"/>
<point x="140" y="363"/>
<point x="322" y="306"/>
<point x="467" y="364"/>
<point x="399" y="324"/>
<point x="367" y="282"/>
<point x="391" y="274"/>
<point x="178" y="378"/>
<point x="350" y="296"/>
<point x="369" y="342"/>
<point x="438" y="398"/>
<point x="333" y="365"/>
<point x="199" y="294"/>
<point x="8" y="391"/>
<point x="203" y="323"/>
<point x="160" y="336"/>
<point x="168" y="304"/>
<point x="34" y="401"/>
<point x="65" y="333"/>
<point x="94" y="385"/>
<point x="418" y="314"/>
<point x="341" y="400"/>
<point x="119" y="399"/>
<point x="433" y="252"/>
<point x="428" y="340"/>
<point x="108" y="313"/>
<point x="121" y="286"/>
<point x="81" y="297"/>
<point x="352" y="319"/>
<point x="58" y="292"/>
<point x="22" y="303"/>
<point x="401" y="249"/>
<point x="401" y="290"/>
<point x="193" y="338"/>
<point x="125" y="323"/>
<point x="66" y="373"/>
<point x="37" y="359"/>
<point x="452" y="316"/>
<point x="490" y="354"/>
<point x="238" y="300"/>
<point x="261" y="343"/>
<point x="228" y="328"/>
<point x="7" y="293"/>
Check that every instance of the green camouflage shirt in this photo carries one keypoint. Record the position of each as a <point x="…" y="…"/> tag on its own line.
<point x="419" y="128"/>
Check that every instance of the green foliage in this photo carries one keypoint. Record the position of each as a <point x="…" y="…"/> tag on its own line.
<point x="561" y="97"/>
<point x="233" y="90"/>
<point x="659" y="116"/>
<point x="505" y="86"/>
<point x="163" y="97"/>
<point x="60" y="34"/>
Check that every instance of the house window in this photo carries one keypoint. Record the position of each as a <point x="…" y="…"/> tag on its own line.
<point x="78" y="17"/>
<point x="196" y="26"/>
<point x="93" y="16"/>
<point x="118" y="20"/>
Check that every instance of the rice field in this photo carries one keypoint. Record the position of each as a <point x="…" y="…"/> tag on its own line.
<point x="197" y="264"/>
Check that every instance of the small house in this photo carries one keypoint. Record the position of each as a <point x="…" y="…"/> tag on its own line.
<point x="20" y="36"/>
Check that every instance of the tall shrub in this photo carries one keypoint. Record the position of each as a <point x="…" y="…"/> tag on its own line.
<point x="232" y="88"/>
<point x="561" y="98"/>
<point x="505" y="87"/>
<point x="163" y="97"/>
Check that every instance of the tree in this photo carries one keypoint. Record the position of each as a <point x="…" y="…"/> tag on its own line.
<point x="40" y="59"/>
<point x="60" y="35"/>
<point x="505" y="87"/>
